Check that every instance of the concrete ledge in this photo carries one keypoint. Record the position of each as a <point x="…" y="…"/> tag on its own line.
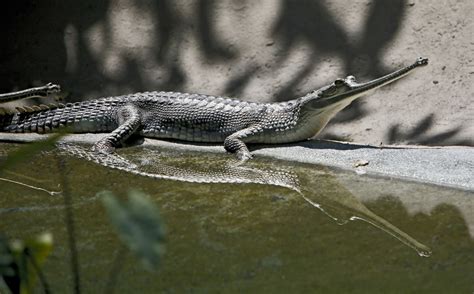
<point x="445" y="166"/>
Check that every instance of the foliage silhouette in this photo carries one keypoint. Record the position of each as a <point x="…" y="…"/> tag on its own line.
<point x="420" y="134"/>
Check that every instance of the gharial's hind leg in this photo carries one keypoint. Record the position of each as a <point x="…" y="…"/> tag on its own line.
<point x="129" y="122"/>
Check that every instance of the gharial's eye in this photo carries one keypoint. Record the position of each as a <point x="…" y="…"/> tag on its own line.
<point x="339" y="82"/>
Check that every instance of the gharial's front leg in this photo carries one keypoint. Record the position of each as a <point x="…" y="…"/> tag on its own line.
<point x="129" y="121"/>
<point x="235" y="144"/>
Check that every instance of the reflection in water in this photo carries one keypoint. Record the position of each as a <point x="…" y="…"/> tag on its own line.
<point x="323" y="192"/>
<point x="152" y="163"/>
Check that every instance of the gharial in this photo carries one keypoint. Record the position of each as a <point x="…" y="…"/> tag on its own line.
<point x="195" y="117"/>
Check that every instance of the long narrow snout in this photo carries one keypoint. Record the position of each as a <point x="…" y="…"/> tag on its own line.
<point x="387" y="79"/>
<point x="356" y="90"/>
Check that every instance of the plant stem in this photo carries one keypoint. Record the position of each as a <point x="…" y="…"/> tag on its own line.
<point x="69" y="220"/>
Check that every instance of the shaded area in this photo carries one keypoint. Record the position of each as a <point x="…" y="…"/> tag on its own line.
<point x="311" y="22"/>
<point x="169" y="40"/>
<point x="35" y="50"/>
<point x="237" y="85"/>
<point x="420" y="134"/>
<point x="212" y="47"/>
<point x="381" y="27"/>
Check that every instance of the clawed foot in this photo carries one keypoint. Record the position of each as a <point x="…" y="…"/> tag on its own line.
<point x="103" y="146"/>
<point x="243" y="156"/>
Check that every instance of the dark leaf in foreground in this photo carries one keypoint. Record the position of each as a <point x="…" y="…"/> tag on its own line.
<point x="138" y="225"/>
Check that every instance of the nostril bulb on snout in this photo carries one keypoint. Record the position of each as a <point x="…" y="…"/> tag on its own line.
<point x="422" y="60"/>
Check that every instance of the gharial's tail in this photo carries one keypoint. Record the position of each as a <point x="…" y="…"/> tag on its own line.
<point x="37" y="118"/>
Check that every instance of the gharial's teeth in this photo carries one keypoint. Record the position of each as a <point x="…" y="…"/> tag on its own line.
<point x="20" y="109"/>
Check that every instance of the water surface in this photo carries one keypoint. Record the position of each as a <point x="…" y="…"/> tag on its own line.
<point x="285" y="227"/>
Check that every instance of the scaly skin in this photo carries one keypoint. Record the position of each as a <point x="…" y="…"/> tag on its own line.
<point x="199" y="118"/>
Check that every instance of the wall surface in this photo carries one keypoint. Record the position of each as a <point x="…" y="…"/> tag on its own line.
<point x="269" y="50"/>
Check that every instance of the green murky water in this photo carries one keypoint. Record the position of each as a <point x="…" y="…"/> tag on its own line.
<point x="299" y="229"/>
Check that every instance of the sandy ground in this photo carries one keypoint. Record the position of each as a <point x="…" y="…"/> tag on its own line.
<point x="261" y="51"/>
